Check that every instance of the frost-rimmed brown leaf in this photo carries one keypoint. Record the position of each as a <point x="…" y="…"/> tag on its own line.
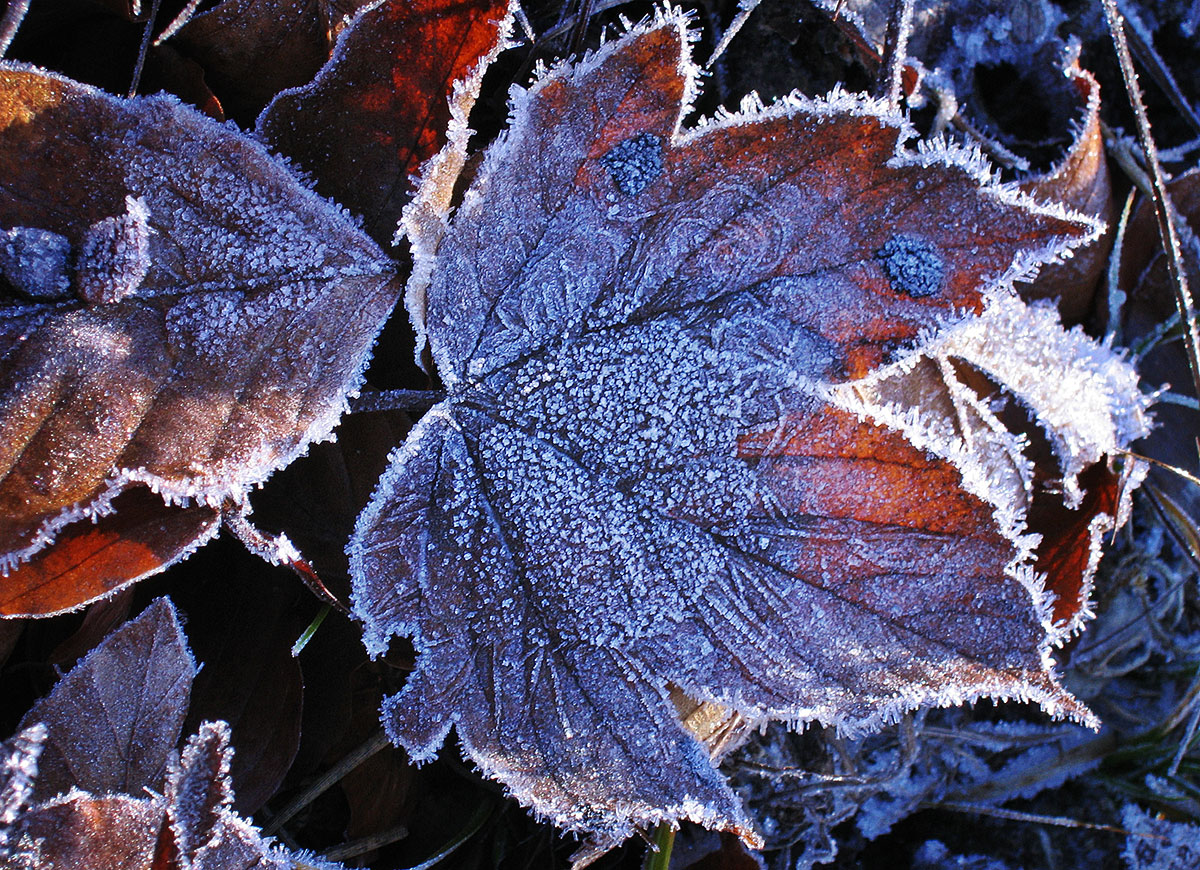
<point x="178" y="312"/>
<point x="654" y="466"/>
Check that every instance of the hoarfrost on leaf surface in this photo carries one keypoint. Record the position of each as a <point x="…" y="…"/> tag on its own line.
<point x="178" y="313"/>
<point x="647" y="473"/>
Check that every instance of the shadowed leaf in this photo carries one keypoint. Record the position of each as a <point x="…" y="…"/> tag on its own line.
<point x="250" y="50"/>
<point x="381" y="106"/>
<point x="113" y="720"/>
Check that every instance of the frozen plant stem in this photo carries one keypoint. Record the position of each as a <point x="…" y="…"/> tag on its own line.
<point x="14" y="14"/>
<point x="143" y="48"/>
<point x="895" y="50"/>
<point x="395" y="400"/>
<point x="659" y="856"/>
<point x="373" y="744"/>
<point x="1163" y="210"/>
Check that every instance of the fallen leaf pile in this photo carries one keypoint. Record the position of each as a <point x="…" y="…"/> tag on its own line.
<point x="738" y="420"/>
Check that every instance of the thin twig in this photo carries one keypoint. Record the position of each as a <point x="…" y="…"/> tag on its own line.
<point x="1141" y="43"/>
<point x="1163" y="210"/>
<point x="14" y="14"/>
<point x="890" y="82"/>
<point x="1116" y="296"/>
<point x="327" y="780"/>
<point x="184" y="16"/>
<point x="395" y="400"/>
<point x="366" y="844"/>
<point x="144" y="48"/>
<point x="745" y="7"/>
<point x="1037" y="818"/>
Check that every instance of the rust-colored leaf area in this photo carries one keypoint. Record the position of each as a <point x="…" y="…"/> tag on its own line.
<point x="710" y="430"/>
<point x="381" y="107"/>
<point x="177" y="312"/>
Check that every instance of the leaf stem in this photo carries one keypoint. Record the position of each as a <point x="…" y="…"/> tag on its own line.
<point x="659" y="856"/>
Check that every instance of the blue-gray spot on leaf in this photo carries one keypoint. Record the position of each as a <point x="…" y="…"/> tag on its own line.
<point x="913" y="265"/>
<point x="635" y="163"/>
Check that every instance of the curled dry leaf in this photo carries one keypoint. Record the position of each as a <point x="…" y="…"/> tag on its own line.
<point x="707" y="428"/>
<point x="177" y="313"/>
<point x="1080" y="181"/>
<point x="381" y="105"/>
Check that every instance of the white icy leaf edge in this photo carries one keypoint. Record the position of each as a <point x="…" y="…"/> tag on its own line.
<point x="427" y="218"/>
<point x="424" y="219"/>
<point x="255" y="472"/>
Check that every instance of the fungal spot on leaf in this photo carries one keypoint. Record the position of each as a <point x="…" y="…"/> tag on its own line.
<point x="635" y="163"/>
<point x="913" y="266"/>
<point x="33" y="262"/>
<point x="115" y="255"/>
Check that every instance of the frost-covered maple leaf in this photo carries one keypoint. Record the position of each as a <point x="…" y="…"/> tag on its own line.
<point x="709" y="426"/>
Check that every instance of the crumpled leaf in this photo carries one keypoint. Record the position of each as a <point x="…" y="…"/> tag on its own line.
<point x="213" y="320"/>
<point x="113" y="720"/>
<point x="653" y="469"/>
<point x="1080" y="181"/>
<point x="381" y="105"/>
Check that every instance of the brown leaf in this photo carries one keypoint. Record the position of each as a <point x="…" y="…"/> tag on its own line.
<point x="1080" y="182"/>
<point x="251" y="50"/>
<point x="382" y="105"/>
<point x="214" y="318"/>
<point x="701" y="432"/>
<point x="113" y="721"/>
<point x="90" y="560"/>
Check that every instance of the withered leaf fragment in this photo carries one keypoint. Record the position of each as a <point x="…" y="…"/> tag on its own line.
<point x="186" y="826"/>
<point x="204" y="327"/>
<point x="93" y="779"/>
<point x="655" y="469"/>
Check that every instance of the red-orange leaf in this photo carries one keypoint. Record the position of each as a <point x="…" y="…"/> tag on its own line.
<point x="381" y="106"/>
